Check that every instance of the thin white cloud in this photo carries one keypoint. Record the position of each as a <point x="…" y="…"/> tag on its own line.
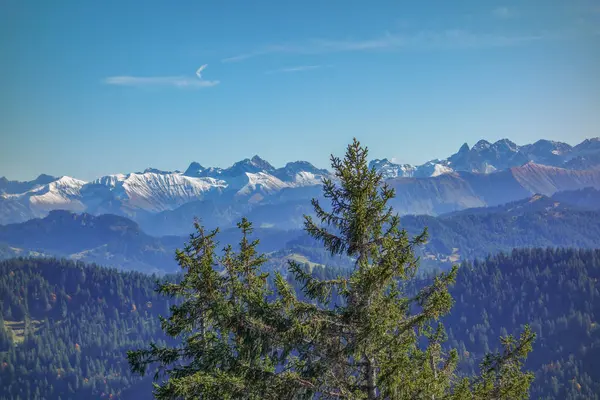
<point x="504" y="12"/>
<point x="173" y="81"/>
<point x="271" y="49"/>
<point x="448" y="39"/>
<point x="199" y="71"/>
<point x="299" y="68"/>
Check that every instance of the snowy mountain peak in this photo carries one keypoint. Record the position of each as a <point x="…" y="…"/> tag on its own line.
<point x="156" y="191"/>
<point x="255" y="180"/>
<point x="261" y="163"/>
<point x="588" y="144"/>
<point x="481" y="145"/>
<point x="302" y="173"/>
<point x="43" y="179"/>
<point x="507" y="145"/>
<point x="253" y="165"/>
<point x="67" y="181"/>
<point x="63" y="193"/>
<point x="391" y="170"/>
<point x="14" y="187"/>
<point x="195" y="169"/>
<point x="157" y="171"/>
<point x="259" y="182"/>
<point x="301" y="165"/>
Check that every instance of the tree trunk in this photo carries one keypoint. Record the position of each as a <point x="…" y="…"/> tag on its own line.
<point x="371" y="378"/>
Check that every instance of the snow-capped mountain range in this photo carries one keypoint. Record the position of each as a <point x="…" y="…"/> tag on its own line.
<point x="255" y="181"/>
<point x="485" y="157"/>
<point x="152" y="191"/>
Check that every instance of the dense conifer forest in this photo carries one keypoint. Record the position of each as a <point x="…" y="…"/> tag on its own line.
<point x="556" y="292"/>
<point x="65" y="327"/>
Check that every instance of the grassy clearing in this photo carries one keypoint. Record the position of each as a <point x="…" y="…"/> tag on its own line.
<point x="18" y="329"/>
<point x="303" y="260"/>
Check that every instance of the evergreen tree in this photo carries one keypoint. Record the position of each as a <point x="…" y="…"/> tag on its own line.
<point x="360" y="336"/>
<point x="225" y="320"/>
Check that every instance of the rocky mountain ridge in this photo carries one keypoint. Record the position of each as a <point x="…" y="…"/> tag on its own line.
<point x="486" y="174"/>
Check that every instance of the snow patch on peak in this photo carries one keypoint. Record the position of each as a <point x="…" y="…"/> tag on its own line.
<point x="481" y="145"/>
<point x="195" y="169"/>
<point x="488" y="168"/>
<point x="301" y="173"/>
<point x="389" y="169"/>
<point x="63" y="193"/>
<point x="505" y="143"/>
<point x="305" y="178"/>
<point x="261" y="163"/>
<point x="439" y="169"/>
<point x="260" y="182"/>
<point x="158" y="192"/>
<point x="110" y="181"/>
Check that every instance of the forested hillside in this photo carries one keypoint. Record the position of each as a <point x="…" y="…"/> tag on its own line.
<point x="539" y="221"/>
<point x="65" y="328"/>
<point x="536" y="222"/>
<point x="557" y="293"/>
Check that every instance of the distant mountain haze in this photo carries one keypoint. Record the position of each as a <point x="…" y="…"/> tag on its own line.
<point x="164" y="202"/>
<point x="570" y="219"/>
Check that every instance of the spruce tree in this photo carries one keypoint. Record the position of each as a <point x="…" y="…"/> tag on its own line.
<point x="366" y="335"/>
<point x="226" y="323"/>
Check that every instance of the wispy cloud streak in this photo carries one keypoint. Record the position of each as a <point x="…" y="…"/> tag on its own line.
<point x="299" y="68"/>
<point x="173" y="81"/>
<point x="425" y="40"/>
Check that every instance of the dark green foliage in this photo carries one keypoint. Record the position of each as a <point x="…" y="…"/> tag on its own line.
<point x="65" y="327"/>
<point x="556" y="292"/>
<point x="226" y="324"/>
<point x="355" y="337"/>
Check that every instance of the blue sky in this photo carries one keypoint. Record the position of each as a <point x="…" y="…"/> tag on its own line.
<point x="97" y="87"/>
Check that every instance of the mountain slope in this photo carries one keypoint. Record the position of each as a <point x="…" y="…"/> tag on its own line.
<point x="15" y="187"/>
<point x="548" y="180"/>
<point x="538" y="221"/>
<point x="485" y="157"/>
<point x="457" y="191"/>
<point x="555" y="291"/>
<point x="486" y="174"/>
<point x="154" y="192"/>
<point x="587" y="198"/>
<point x="65" y="328"/>
<point x="63" y="193"/>
<point x="108" y="239"/>
<point x="113" y="241"/>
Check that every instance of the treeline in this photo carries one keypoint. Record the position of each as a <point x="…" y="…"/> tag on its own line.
<point x="555" y="291"/>
<point x="65" y="328"/>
